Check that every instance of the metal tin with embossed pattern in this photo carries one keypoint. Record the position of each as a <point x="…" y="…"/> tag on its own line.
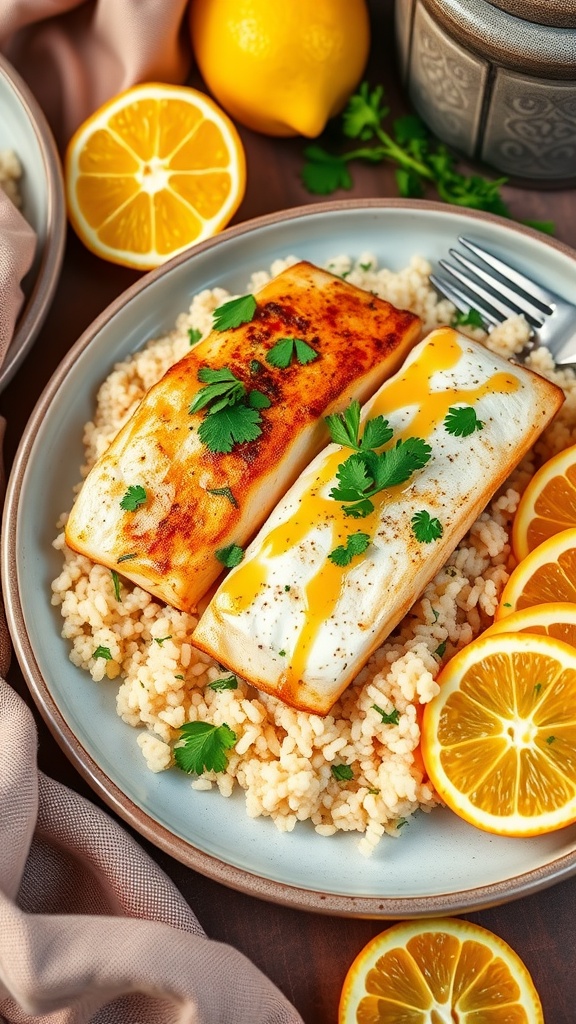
<point x="496" y="86"/>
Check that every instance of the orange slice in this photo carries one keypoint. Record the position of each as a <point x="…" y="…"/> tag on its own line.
<point x="435" y="972"/>
<point x="499" y="740"/>
<point x="556" y="619"/>
<point x="547" y="574"/>
<point x="548" y="504"/>
<point x="150" y="173"/>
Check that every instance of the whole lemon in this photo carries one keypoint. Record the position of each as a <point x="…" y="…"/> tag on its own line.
<point x="281" y="68"/>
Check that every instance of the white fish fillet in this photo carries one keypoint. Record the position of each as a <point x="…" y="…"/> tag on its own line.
<point x="299" y="627"/>
<point x="197" y="501"/>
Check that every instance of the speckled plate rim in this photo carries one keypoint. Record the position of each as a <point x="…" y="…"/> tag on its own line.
<point x="38" y="301"/>
<point x="477" y="898"/>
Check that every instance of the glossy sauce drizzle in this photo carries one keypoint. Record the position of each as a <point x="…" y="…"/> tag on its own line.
<point x="320" y="595"/>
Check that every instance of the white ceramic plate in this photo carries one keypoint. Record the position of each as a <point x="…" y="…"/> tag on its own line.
<point x="439" y="864"/>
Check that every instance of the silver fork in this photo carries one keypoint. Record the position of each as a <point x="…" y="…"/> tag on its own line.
<point x="498" y="291"/>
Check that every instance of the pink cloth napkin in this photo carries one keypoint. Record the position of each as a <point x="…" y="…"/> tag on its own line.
<point x="17" y="245"/>
<point x="90" y="927"/>
<point x="76" y="54"/>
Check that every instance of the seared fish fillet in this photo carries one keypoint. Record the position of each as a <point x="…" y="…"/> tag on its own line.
<point x="191" y="501"/>
<point x="299" y="626"/>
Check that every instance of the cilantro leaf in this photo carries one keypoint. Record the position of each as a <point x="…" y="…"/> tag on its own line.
<point x="426" y="529"/>
<point x="225" y="492"/>
<point x="396" y="465"/>
<point x="135" y="497"/>
<point x="388" y="717"/>
<point x="222" y="388"/>
<point x="353" y="479"/>
<point x="194" y="335"/>
<point x="470" y="319"/>
<point x="127" y="558"/>
<point x="229" y="683"/>
<point x="344" y="426"/>
<point x="324" y="173"/>
<point x="160" y="639"/>
<point x="230" y="556"/>
<point x="441" y="649"/>
<point x="341" y="772"/>
<point x="234" y="313"/>
<point x="280" y="355"/>
<point x="364" y="113"/>
<point x="410" y="185"/>
<point x="376" y="433"/>
<point x="258" y="400"/>
<point x="356" y="544"/>
<point x="116" y="583"/>
<point x="221" y="430"/>
<point x="344" y="429"/>
<point x="202" y="747"/>
<point x="461" y="421"/>
<point x="102" y="652"/>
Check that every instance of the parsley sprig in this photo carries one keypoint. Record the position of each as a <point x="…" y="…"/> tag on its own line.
<point x="282" y="353"/>
<point x="419" y="160"/>
<point x="356" y="544"/>
<point x="232" y="413"/>
<point x="425" y="528"/>
<point x="135" y="497"/>
<point x="344" y="429"/>
<point x="202" y="747"/>
<point x="234" y="313"/>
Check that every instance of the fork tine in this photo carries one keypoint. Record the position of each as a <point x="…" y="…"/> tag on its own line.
<point x="478" y="292"/>
<point x="460" y="299"/>
<point x="534" y="315"/>
<point x="531" y="289"/>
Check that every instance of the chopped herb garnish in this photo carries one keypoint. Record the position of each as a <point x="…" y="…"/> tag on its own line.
<point x="282" y="653"/>
<point x="425" y="528"/>
<point x="388" y="718"/>
<point x="234" y="312"/>
<point x="470" y="319"/>
<point x="401" y="822"/>
<point x="441" y="649"/>
<point x="374" y="792"/>
<point x="281" y="354"/>
<point x="537" y="687"/>
<point x="344" y="429"/>
<point x="203" y="747"/>
<point x="160" y="639"/>
<point x="232" y="415"/>
<point x="255" y="367"/>
<point x="194" y="335"/>
<point x="550" y="739"/>
<point x="356" y="544"/>
<point x="461" y="421"/>
<point x="102" y="652"/>
<point x="135" y="497"/>
<point x="179" y="677"/>
<point x="365" y="266"/>
<point x="342" y="772"/>
<point x="507" y="604"/>
<point x="225" y="492"/>
<point x="230" y="556"/>
<point x="116" y="583"/>
<point x="287" y="587"/>
<point x="436" y="614"/>
<point x="126" y="558"/>
<point x="229" y="683"/>
<point x="450" y="570"/>
<point x="365" y="474"/>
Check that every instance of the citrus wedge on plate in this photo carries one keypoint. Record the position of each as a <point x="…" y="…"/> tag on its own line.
<point x="547" y="574"/>
<point x="556" y="619"/>
<point x="153" y="171"/>
<point x="439" y="971"/>
<point x="548" y="504"/>
<point x="499" y="739"/>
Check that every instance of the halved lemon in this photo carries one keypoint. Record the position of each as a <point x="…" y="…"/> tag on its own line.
<point x="556" y="619"/>
<point x="439" y="971"/>
<point x="548" y="504"/>
<point x="547" y="574"/>
<point x="153" y="171"/>
<point x="499" y="740"/>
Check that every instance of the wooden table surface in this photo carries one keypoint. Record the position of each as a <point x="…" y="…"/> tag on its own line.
<point x="306" y="955"/>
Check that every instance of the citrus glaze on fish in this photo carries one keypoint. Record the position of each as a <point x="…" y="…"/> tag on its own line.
<point x="197" y="501"/>
<point x="299" y="626"/>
